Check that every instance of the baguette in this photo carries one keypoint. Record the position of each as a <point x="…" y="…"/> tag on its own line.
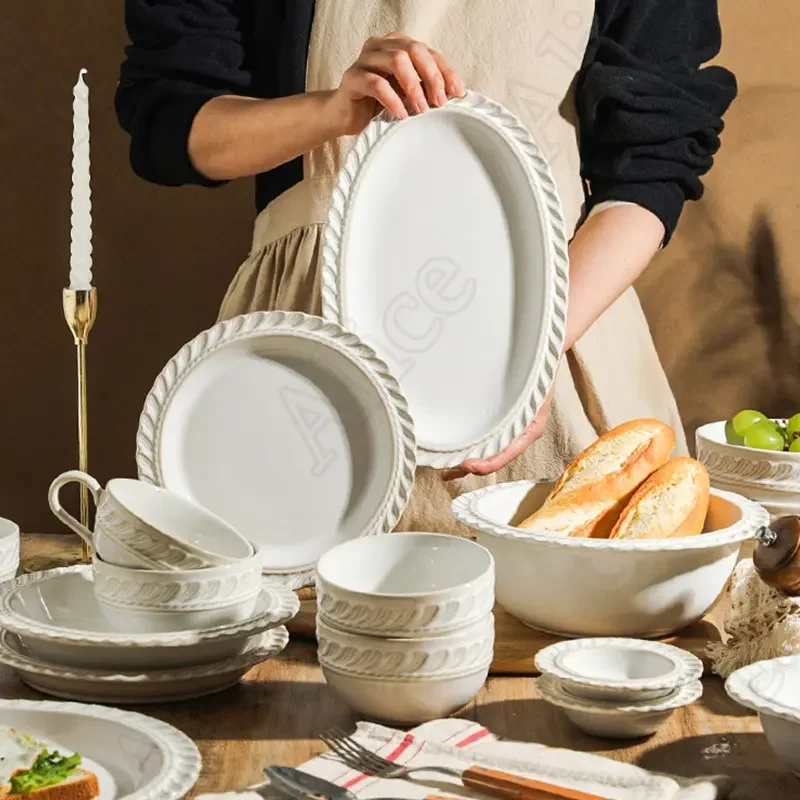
<point x="591" y="493"/>
<point x="672" y="502"/>
<point x="81" y="785"/>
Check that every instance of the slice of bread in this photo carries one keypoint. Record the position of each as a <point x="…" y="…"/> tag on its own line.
<point x="672" y="502"/>
<point x="591" y="493"/>
<point x="81" y="785"/>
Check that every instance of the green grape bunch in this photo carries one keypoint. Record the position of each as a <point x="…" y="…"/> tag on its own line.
<point x="751" y="428"/>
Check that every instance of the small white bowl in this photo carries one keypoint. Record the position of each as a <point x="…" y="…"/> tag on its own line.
<point x="153" y="601"/>
<point x="768" y="477"/>
<point x="577" y="587"/>
<point x="408" y="701"/>
<point x="416" y="585"/>
<point x="9" y="547"/>
<point x="619" y="670"/>
<point x="772" y="688"/>
<point x="612" y="720"/>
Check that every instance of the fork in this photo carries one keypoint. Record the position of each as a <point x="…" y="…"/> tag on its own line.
<point x="504" y="785"/>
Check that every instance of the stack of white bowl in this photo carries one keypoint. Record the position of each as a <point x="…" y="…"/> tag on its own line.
<point x="405" y="628"/>
<point x="618" y="688"/>
<point x="9" y="549"/>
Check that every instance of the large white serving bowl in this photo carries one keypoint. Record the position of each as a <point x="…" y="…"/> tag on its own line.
<point x="598" y="587"/>
<point x="9" y="549"/>
<point x="405" y="585"/>
<point x="151" y="601"/>
<point x="767" y="477"/>
<point x="772" y="688"/>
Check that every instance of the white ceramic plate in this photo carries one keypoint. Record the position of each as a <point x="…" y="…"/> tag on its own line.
<point x="289" y="428"/>
<point x="150" y="686"/>
<point x="770" y="687"/>
<point x="134" y="757"/>
<point x="58" y="617"/>
<point x="445" y="251"/>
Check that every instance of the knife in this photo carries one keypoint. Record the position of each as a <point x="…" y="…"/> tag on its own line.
<point x="297" y="783"/>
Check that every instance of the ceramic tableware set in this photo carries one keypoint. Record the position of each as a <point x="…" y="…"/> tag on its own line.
<point x="405" y="628"/>
<point x="172" y="606"/>
<point x="618" y="688"/>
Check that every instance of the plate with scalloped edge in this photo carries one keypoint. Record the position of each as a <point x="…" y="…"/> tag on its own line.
<point x="288" y="427"/>
<point x="135" y="757"/>
<point x="445" y="250"/>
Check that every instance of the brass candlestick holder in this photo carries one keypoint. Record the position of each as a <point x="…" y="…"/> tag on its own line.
<point x="80" y="311"/>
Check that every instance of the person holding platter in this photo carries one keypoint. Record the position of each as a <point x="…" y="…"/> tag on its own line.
<point x="616" y="92"/>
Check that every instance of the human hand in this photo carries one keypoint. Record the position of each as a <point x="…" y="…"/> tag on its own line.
<point x="393" y="72"/>
<point x="487" y="466"/>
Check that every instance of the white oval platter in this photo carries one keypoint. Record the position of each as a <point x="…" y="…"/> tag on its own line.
<point x="289" y="428"/>
<point x="134" y="756"/>
<point x="137" y="687"/>
<point x="59" y="619"/>
<point x="445" y="251"/>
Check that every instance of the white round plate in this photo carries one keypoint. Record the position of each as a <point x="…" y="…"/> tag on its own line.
<point x="134" y="756"/>
<point x="445" y="251"/>
<point x="58" y="617"/>
<point x="152" y="686"/>
<point x="289" y="428"/>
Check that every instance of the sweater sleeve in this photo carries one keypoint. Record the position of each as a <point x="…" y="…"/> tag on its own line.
<point x="182" y="54"/>
<point x="650" y="112"/>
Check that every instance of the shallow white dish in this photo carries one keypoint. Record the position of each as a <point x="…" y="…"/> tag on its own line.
<point x="286" y="426"/>
<point x="129" y="687"/>
<point x="617" y="720"/>
<point x="134" y="756"/>
<point x="155" y="601"/>
<point x="438" y="224"/>
<point x="772" y="688"/>
<point x="417" y="584"/>
<point x="771" y="478"/>
<point x="578" y="587"/>
<point x="57" y="615"/>
<point x="618" y="669"/>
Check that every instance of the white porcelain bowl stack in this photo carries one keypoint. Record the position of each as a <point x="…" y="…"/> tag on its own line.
<point x="9" y="549"/>
<point x="618" y="688"/>
<point x="579" y="587"/>
<point x="767" y="477"/>
<point x="405" y="628"/>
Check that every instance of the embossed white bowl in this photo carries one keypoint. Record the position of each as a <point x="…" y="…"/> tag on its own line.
<point x="615" y="719"/>
<point x="152" y="601"/>
<point x="772" y="688"/>
<point x="575" y="587"/>
<point x="9" y="549"/>
<point x="615" y="669"/>
<point x="764" y="476"/>
<point x="414" y="585"/>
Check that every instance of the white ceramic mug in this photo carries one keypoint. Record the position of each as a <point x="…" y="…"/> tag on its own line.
<point x="139" y="525"/>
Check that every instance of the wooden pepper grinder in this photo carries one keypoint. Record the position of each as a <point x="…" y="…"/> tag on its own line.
<point x="777" y="555"/>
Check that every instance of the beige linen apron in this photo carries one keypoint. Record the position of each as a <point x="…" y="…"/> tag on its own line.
<point x="525" y="54"/>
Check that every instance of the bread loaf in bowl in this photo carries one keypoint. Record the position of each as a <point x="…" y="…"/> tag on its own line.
<point x="591" y="493"/>
<point x="672" y="502"/>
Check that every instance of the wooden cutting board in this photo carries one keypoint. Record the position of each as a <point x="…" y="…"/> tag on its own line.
<point x="516" y="645"/>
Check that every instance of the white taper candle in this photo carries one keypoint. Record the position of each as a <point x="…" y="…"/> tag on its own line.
<point x="80" y="262"/>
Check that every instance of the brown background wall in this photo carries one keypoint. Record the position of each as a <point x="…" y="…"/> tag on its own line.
<point x="727" y="328"/>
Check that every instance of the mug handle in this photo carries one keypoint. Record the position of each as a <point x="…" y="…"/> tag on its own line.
<point x="73" y="476"/>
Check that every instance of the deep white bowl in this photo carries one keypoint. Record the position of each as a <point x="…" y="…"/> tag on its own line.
<point x="772" y="688"/>
<point x="617" y="720"/>
<point x="578" y="587"/>
<point x="152" y="601"/>
<point x="9" y="548"/>
<point x="767" y="477"/>
<point x="405" y="585"/>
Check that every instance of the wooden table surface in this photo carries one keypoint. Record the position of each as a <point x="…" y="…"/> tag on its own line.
<point x="274" y="715"/>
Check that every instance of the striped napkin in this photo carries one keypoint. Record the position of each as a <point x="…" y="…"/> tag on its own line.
<point x="461" y="743"/>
